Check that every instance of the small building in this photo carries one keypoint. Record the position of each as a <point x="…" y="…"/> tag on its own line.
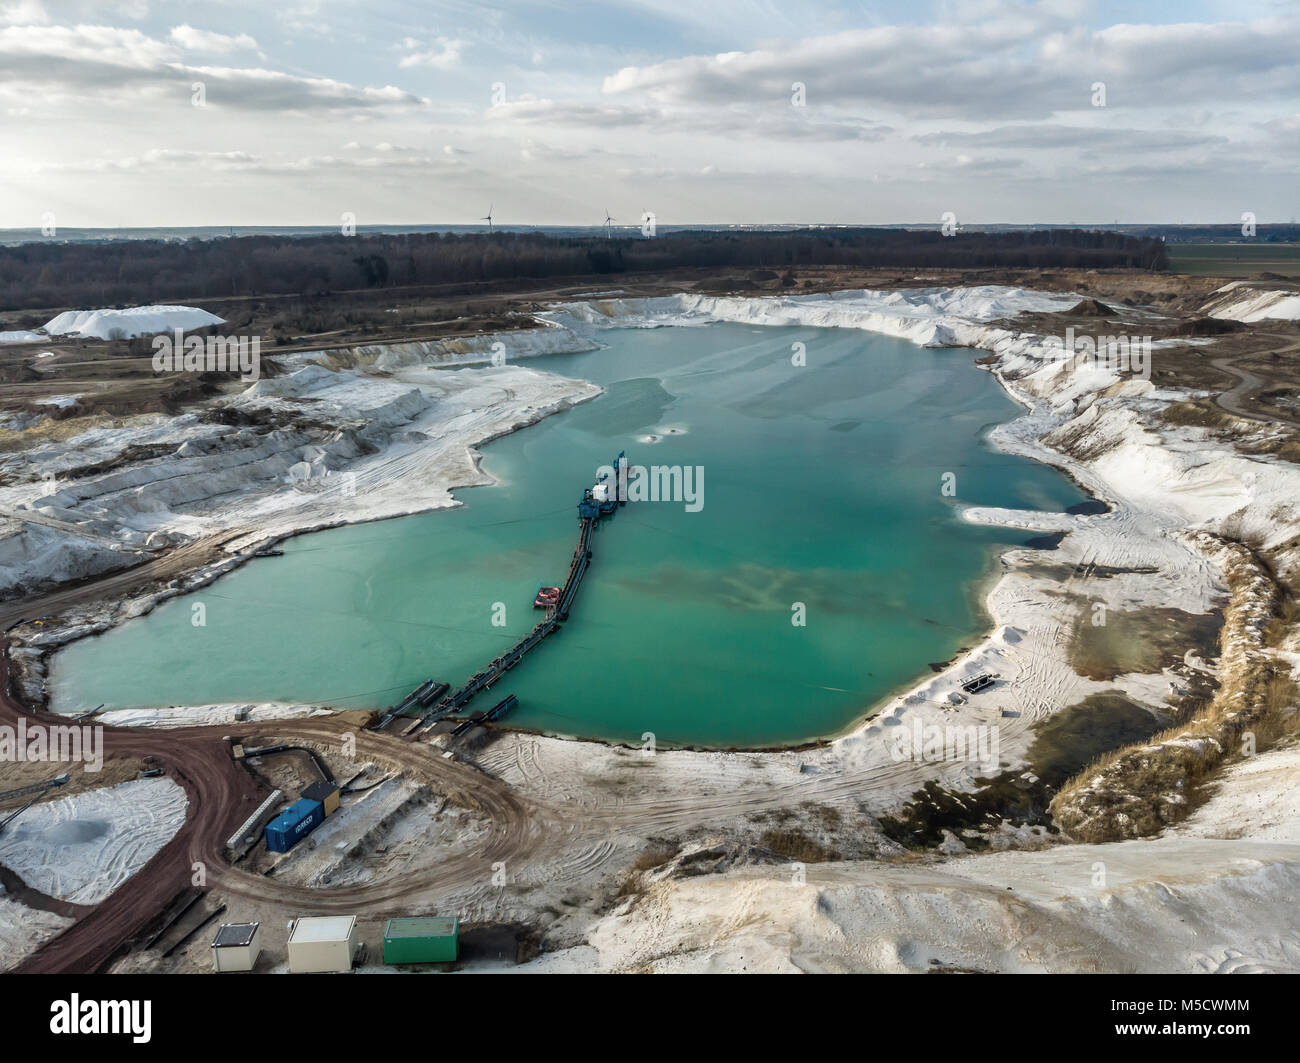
<point x="293" y="824"/>
<point x="236" y="948"/>
<point x="429" y="939"/>
<point x="323" y="943"/>
<point x="327" y="793"/>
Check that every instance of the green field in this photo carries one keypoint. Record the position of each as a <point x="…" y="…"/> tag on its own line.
<point x="1235" y="260"/>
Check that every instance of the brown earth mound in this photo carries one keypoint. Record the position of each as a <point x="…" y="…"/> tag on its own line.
<point x="1206" y="326"/>
<point x="1091" y="308"/>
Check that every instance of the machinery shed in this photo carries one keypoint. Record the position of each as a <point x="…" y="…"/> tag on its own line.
<point x="428" y="939"/>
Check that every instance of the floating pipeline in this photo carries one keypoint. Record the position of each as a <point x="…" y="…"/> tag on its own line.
<point x="495" y="713"/>
<point x="597" y="502"/>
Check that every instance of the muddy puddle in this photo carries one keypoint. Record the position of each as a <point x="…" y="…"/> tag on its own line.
<point x="1062" y="747"/>
<point x="1145" y="640"/>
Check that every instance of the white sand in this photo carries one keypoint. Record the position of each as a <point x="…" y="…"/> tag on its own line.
<point x="200" y="715"/>
<point x="23" y="930"/>
<point x="132" y="321"/>
<point x="83" y="847"/>
<point x="1215" y="895"/>
<point x="1239" y="301"/>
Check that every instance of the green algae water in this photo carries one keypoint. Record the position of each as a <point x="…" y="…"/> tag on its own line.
<point x="822" y="487"/>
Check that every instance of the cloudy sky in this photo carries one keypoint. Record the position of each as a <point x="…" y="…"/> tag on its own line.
<point x="149" y="112"/>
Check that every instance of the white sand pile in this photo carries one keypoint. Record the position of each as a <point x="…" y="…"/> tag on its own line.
<point x="466" y="350"/>
<point x="83" y="847"/>
<point x="203" y="715"/>
<point x="133" y="321"/>
<point x="1240" y="301"/>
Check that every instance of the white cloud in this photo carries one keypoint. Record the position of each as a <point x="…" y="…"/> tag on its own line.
<point x="158" y="159"/>
<point x="69" y="47"/>
<point x="271" y="90"/>
<point x="983" y="104"/>
<point x="304" y="17"/>
<point x="23" y="13"/>
<point x="174" y="160"/>
<point x="720" y="120"/>
<point x="991" y="69"/>
<point x="195" y="40"/>
<point x="100" y="61"/>
<point x="442" y="54"/>
<point x="1051" y="135"/>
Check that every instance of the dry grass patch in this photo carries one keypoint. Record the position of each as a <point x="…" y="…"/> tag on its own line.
<point x="794" y="844"/>
<point x="49" y="430"/>
<point x="1199" y="413"/>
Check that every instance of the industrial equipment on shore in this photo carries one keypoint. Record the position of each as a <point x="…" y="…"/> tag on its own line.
<point x="293" y="824"/>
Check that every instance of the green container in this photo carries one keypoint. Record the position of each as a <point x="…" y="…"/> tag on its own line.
<point x="425" y="939"/>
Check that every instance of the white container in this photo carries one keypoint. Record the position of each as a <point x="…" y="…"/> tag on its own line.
<point x="236" y="948"/>
<point x="323" y="943"/>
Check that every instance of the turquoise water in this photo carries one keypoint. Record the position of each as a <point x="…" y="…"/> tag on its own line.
<point x="822" y="486"/>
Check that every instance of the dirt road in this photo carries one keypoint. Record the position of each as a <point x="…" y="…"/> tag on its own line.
<point x="118" y="584"/>
<point x="220" y="794"/>
<point x="1235" y="399"/>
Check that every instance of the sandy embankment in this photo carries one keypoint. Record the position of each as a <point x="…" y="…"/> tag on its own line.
<point x="1213" y="896"/>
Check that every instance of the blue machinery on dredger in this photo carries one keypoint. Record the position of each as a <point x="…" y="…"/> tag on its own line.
<point x="432" y="696"/>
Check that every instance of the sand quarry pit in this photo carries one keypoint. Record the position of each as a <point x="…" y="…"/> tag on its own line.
<point x="576" y="815"/>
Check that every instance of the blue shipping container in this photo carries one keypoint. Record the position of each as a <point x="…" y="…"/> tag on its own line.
<point x="293" y="824"/>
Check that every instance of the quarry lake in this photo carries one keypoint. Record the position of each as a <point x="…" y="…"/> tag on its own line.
<point x="822" y="486"/>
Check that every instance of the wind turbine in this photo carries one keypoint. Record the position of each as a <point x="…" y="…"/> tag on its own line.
<point x="488" y="218"/>
<point x="608" y="234"/>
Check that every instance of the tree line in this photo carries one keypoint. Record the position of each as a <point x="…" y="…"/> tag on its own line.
<point x="133" y="272"/>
